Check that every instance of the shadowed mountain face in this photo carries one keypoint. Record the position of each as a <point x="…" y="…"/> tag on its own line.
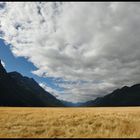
<point x="126" y="96"/>
<point x="17" y="90"/>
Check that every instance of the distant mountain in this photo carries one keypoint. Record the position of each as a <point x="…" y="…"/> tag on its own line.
<point x="126" y="96"/>
<point x="71" y="104"/>
<point x="17" y="90"/>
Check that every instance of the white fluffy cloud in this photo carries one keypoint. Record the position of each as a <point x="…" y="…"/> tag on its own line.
<point x="93" y="42"/>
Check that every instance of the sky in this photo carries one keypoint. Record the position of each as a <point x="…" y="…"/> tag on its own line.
<point x="77" y="51"/>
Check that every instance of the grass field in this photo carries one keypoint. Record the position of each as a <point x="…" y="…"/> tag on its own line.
<point x="70" y="122"/>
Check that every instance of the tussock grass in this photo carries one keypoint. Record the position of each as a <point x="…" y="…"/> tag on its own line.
<point x="118" y="122"/>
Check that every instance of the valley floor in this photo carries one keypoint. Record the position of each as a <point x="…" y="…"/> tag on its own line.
<point x="103" y="122"/>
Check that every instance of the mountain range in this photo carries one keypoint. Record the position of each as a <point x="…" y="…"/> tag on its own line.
<point x="17" y="90"/>
<point x="21" y="91"/>
<point x="125" y="96"/>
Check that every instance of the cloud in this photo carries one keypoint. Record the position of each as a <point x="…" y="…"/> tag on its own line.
<point x="93" y="42"/>
<point x="3" y="63"/>
<point x="49" y="89"/>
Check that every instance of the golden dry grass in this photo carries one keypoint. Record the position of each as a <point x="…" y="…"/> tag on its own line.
<point x="70" y="122"/>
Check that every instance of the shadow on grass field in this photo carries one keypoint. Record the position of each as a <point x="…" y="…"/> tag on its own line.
<point x="118" y="122"/>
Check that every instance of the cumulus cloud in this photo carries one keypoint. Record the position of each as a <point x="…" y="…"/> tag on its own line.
<point x="93" y="42"/>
